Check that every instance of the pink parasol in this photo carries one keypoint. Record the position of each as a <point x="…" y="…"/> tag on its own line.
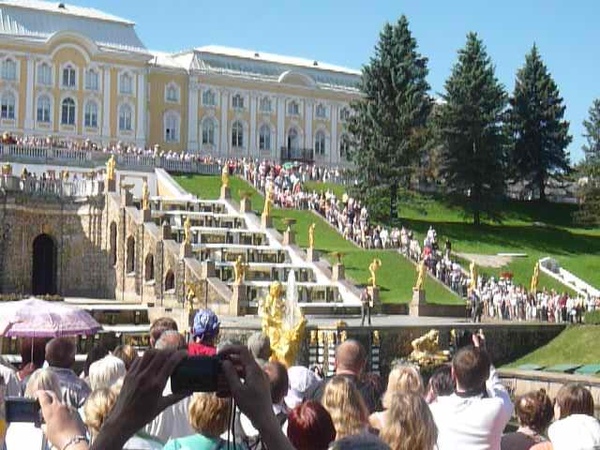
<point x="39" y="318"/>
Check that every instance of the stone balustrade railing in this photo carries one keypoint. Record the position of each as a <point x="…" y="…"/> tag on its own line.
<point x="52" y="187"/>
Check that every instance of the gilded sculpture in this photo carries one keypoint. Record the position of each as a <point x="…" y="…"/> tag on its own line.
<point x="187" y="231"/>
<point x="473" y="276"/>
<point x="239" y="268"/>
<point x="421" y="271"/>
<point x="285" y="337"/>
<point x="145" y="196"/>
<point x="190" y="295"/>
<point x="311" y="235"/>
<point x="268" y="201"/>
<point x="225" y="176"/>
<point x="111" y="165"/>
<point x="535" y="278"/>
<point x="426" y="350"/>
<point x="373" y="268"/>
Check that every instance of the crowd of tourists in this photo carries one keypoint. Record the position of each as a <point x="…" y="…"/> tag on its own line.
<point x="125" y="400"/>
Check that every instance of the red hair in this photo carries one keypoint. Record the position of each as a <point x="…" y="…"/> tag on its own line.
<point x="310" y="427"/>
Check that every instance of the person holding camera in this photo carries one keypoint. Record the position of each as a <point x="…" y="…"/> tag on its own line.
<point x="365" y="307"/>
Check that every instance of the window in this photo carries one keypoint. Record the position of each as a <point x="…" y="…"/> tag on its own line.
<point x="9" y="70"/>
<point x="209" y="98"/>
<point x="44" y="74"/>
<point x="149" y="267"/>
<point x="69" y="77"/>
<point x="125" y="118"/>
<point x="237" y="102"/>
<point x="67" y="116"/>
<point x="208" y="132"/>
<point x="344" y="114"/>
<point x="293" y="139"/>
<point x="320" y="143"/>
<point x="91" y="115"/>
<point x="91" y="80"/>
<point x="321" y="112"/>
<point x="172" y="93"/>
<point x="293" y="108"/>
<point x="171" y="127"/>
<point x="126" y="84"/>
<point x="344" y="146"/>
<point x="130" y="260"/>
<point x="7" y="106"/>
<point x="237" y="134"/>
<point x="43" y="109"/>
<point x="264" y="137"/>
<point x="265" y="105"/>
<point x="170" y="281"/>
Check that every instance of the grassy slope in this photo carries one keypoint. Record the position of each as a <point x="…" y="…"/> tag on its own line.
<point x="396" y="276"/>
<point x="577" y="345"/>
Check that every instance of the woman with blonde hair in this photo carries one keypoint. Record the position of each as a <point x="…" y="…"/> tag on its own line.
<point x="345" y="405"/>
<point x="409" y="424"/>
<point x="404" y="379"/>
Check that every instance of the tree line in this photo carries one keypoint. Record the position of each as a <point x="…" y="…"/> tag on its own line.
<point x="475" y="138"/>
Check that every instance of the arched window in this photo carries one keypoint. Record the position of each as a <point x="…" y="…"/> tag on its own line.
<point x="320" y="142"/>
<point x="126" y="84"/>
<point x="149" y="267"/>
<point x="7" y="106"/>
<point x="293" y="139"/>
<point x="344" y="114"/>
<point x="237" y="102"/>
<point x="44" y="74"/>
<point x="265" y="105"/>
<point x="321" y="111"/>
<point x="91" y="114"/>
<point x="9" y="70"/>
<point x="113" y="243"/>
<point x="344" y="146"/>
<point x="237" y="134"/>
<point x="125" y="115"/>
<point x="264" y="138"/>
<point x="172" y="93"/>
<point x="43" y="109"/>
<point x="293" y="108"/>
<point x="130" y="262"/>
<point x="208" y="98"/>
<point x="67" y="114"/>
<point x="170" y="281"/>
<point x="69" y="76"/>
<point x="171" y="127"/>
<point x="208" y="132"/>
<point x="92" y="80"/>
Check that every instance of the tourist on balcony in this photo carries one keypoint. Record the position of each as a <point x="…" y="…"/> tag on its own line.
<point x="205" y="331"/>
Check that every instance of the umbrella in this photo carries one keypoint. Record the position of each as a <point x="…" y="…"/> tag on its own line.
<point x="288" y="165"/>
<point x="38" y="318"/>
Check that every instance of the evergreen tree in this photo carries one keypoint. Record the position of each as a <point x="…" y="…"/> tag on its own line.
<point x="589" y="209"/>
<point x="539" y="134"/>
<point x="470" y="129"/>
<point x="388" y="126"/>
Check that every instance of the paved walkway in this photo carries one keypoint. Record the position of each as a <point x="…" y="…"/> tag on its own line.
<point x="494" y="261"/>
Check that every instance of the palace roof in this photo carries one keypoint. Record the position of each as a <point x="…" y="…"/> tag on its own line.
<point x="39" y="20"/>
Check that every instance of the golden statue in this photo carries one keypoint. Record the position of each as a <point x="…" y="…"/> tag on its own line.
<point x="145" y="196"/>
<point x="426" y="350"/>
<point x="421" y="271"/>
<point x="473" y="276"/>
<point x="111" y="164"/>
<point x="376" y="338"/>
<point x="187" y="231"/>
<point x="190" y="295"/>
<point x="311" y="235"/>
<point x="268" y="201"/>
<point x="239" y="268"/>
<point x="373" y="268"/>
<point x="535" y="278"/>
<point x="6" y="169"/>
<point x="285" y="335"/>
<point x="225" y="176"/>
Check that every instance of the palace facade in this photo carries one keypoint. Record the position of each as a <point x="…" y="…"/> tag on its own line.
<point x="76" y="72"/>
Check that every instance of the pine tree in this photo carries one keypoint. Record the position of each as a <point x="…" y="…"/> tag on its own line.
<point x="470" y="128"/>
<point x="539" y="133"/>
<point x="388" y="126"/>
<point x="589" y="209"/>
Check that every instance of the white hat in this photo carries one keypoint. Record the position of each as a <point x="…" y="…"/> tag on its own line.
<point x="301" y="380"/>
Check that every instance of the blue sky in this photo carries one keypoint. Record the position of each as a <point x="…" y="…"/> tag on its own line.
<point x="344" y="32"/>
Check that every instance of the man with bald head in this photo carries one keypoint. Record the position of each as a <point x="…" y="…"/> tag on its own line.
<point x="60" y="356"/>
<point x="350" y="362"/>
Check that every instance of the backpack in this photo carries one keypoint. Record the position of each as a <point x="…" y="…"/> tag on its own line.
<point x="253" y="442"/>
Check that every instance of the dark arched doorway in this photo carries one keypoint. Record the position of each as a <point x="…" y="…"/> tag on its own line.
<point x="43" y="279"/>
<point x="113" y="243"/>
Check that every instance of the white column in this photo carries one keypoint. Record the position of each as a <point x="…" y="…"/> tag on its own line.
<point x="253" y="147"/>
<point x="224" y="144"/>
<point x="193" y="117"/>
<point x="280" y="125"/>
<point x="333" y="144"/>
<point x="106" y="111"/>
<point x="308" y="124"/>
<point x="140" y="130"/>
<point x="28" y="125"/>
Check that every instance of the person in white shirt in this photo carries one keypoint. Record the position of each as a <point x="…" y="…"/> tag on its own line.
<point x="474" y="417"/>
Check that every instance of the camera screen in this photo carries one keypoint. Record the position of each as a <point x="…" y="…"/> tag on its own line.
<point x="196" y="374"/>
<point x="22" y="410"/>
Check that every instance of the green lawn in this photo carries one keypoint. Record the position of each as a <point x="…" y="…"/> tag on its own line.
<point x="578" y="344"/>
<point x="318" y="186"/>
<point x="396" y="276"/>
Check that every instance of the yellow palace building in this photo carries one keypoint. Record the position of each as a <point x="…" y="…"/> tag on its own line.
<point x="76" y="72"/>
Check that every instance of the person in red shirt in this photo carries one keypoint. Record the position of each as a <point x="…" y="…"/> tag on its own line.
<point x="205" y="330"/>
